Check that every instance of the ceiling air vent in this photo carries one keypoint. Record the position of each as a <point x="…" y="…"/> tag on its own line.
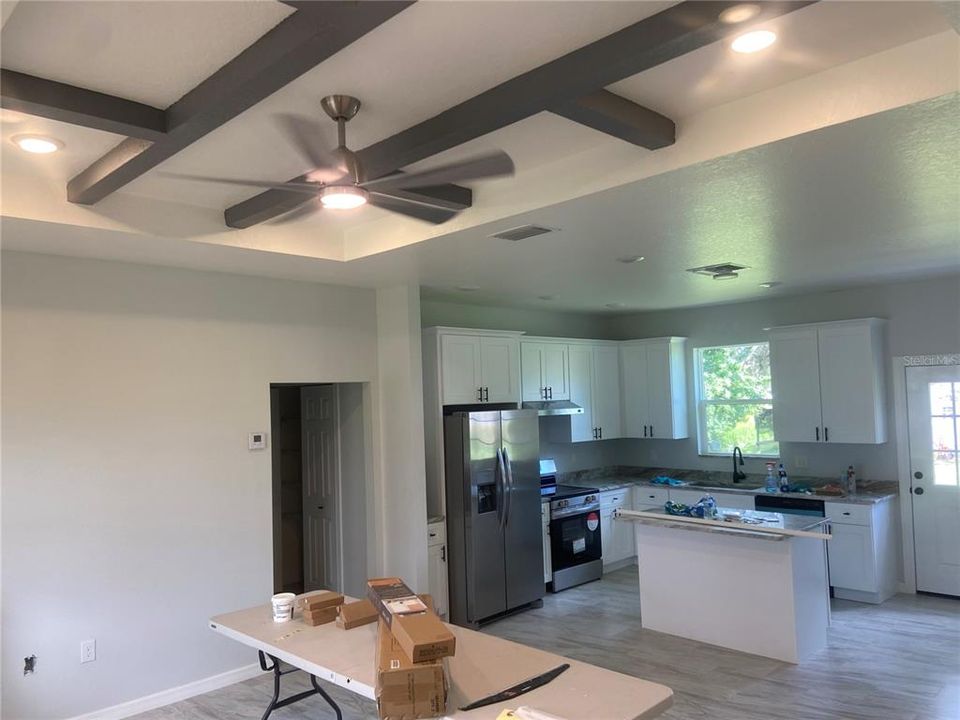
<point x="523" y="232"/>
<point x="720" y="271"/>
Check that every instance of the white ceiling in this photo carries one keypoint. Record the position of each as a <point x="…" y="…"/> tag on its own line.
<point x="862" y="200"/>
<point x="118" y="47"/>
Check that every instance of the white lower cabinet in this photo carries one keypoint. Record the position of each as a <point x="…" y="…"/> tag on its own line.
<point x="547" y="558"/>
<point x="863" y="550"/>
<point x="437" y="565"/>
<point x="616" y="536"/>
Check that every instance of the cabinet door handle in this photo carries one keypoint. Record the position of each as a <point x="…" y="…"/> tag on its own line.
<point x="644" y="430"/>
<point x="549" y="393"/>
<point x="826" y="434"/>
<point x="601" y="432"/>
<point x="486" y="394"/>
<point x="443" y="553"/>
<point x="479" y="394"/>
<point x="818" y="433"/>
<point x="651" y="431"/>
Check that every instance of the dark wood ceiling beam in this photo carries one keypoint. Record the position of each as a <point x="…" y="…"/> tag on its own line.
<point x="669" y="34"/>
<point x="297" y="44"/>
<point x="614" y="115"/>
<point x="78" y="106"/>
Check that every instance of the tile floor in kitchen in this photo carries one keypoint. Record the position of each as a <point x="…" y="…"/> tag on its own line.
<point x="897" y="661"/>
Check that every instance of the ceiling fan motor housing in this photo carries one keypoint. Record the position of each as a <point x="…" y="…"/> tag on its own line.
<point x="340" y="107"/>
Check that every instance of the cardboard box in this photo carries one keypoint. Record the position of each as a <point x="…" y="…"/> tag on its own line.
<point x="355" y="614"/>
<point x="421" y="634"/>
<point x="321" y="616"/>
<point x="404" y="689"/>
<point x="320" y="599"/>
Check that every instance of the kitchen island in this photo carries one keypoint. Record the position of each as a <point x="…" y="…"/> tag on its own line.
<point x="757" y="584"/>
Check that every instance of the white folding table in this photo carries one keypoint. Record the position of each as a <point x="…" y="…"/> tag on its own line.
<point x="483" y="665"/>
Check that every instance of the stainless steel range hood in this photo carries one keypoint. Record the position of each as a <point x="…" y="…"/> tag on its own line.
<point x="547" y="408"/>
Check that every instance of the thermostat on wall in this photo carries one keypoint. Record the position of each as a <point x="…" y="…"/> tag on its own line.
<point x="257" y="441"/>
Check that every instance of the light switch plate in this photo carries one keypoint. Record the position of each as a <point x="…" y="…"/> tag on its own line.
<point x="257" y="441"/>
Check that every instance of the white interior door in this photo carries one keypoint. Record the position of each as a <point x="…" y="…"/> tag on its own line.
<point x="321" y="536"/>
<point x="933" y="404"/>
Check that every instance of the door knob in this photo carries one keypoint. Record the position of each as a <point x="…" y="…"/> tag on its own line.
<point x="319" y="507"/>
<point x="918" y="491"/>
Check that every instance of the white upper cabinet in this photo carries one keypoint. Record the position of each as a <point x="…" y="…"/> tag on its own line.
<point x="500" y="369"/>
<point x="654" y="388"/>
<point x="582" y="428"/>
<point x="545" y="370"/>
<point x="479" y="368"/>
<point x="607" y="395"/>
<point x="828" y="382"/>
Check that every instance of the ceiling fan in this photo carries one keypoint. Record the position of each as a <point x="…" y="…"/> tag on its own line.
<point x="338" y="181"/>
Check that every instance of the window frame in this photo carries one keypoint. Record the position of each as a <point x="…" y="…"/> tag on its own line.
<point x="702" y="402"/>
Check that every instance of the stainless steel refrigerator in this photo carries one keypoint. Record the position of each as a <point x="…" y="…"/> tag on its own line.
<point x="494" y="530"/>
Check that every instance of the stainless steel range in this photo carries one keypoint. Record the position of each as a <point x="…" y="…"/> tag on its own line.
<point x="576" y="548"/>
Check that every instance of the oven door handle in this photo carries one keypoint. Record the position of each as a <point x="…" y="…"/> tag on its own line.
<point x="509" y="476"/>
<point x="501" y="488"/>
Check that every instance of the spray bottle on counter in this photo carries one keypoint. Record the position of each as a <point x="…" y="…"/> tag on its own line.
<point x="783" y="481"/>
<point x="851" y="484"/>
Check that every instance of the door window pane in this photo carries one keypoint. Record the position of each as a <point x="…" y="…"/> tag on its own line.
<point x="944" y="468"/>
<point x="944" y="433"/>
<point x="941" y="398"/>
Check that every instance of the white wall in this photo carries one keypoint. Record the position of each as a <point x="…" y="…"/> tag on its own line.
<point x="403" y="493"/>
<point x="923" y="317"/>
<point x="132" y="509"/>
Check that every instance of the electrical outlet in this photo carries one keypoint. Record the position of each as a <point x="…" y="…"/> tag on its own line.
<point x="88" y="651"/>
<point x="801" y="462"/>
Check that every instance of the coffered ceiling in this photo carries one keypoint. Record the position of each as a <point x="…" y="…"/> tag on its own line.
<point x="831" y="157"/>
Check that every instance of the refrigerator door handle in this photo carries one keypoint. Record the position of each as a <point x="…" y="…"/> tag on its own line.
<point x="501" y="485"/>
<point x="509" y="476"/>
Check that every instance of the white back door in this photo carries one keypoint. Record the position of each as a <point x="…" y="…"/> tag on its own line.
<point x="933" y="404"/>
<point x="321" y="534"/>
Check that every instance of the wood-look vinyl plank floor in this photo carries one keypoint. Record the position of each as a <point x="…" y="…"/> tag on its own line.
<point x="896" y="661"/>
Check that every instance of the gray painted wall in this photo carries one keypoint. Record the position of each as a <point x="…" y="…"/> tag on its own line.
<point x="533" y="322"/>
<point x="923" y="317"/>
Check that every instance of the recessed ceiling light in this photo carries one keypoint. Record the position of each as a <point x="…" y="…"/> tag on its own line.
<point x="343" y="197"/>
<point x="630" y="259"/>
<point x="753" y="41"/>
<point x="37" y="144"/>
<point x="770" y="284"/>
<point x="614" y="306"/>
<point x="726" y="276"/>
<point x="739" y="13"/>
<point x="468" y="288"/>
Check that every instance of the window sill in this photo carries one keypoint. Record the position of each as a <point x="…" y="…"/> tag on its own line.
<point x="745" y="456"/>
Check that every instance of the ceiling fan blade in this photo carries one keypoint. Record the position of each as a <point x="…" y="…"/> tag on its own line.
<point x="483" y="166"/>
<point x="301" y="133"/>
<point x="301" y="187"/>
<point x="420" y="211"/>
<point x="308" y="208"/>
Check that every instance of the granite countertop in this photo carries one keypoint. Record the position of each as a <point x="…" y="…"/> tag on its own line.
<point x="868" y="492"/>
<point x="766" y="520"/>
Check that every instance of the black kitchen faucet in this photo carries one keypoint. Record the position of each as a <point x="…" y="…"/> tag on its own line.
<point x="737" y="474"/>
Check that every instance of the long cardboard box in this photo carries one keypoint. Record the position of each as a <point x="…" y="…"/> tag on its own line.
<point x="421" y="634"/>
<point x="355" y="614"/>
<point x="319" y="600"/>
<point x="406" y="690"/>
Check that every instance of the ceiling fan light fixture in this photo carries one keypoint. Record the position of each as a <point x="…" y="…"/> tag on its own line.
<point x="343" y="197"/>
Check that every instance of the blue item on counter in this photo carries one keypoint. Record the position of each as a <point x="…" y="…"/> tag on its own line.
<point x="706" y="507"/>
<point x="664" y="480"/>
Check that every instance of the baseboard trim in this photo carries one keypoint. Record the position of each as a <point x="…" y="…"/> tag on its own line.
<point x="175" y="694"/>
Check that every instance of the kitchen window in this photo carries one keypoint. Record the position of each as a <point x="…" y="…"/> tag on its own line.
<point x="735" y="400"/>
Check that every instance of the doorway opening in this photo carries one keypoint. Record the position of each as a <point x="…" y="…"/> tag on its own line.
<point x="320" y="480"/>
